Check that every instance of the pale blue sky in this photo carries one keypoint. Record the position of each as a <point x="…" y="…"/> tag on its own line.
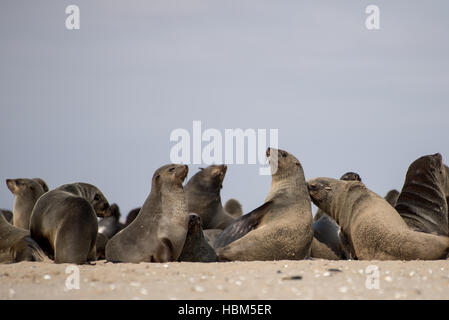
<point x="98" y="104"/>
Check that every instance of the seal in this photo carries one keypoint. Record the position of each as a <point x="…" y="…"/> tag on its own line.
<point x="319" y="250"/>
<point x="131" y="216"/>
<point x="26" y="192"/>
<point x="100" y="245"/>
<point x="16" y="244"/>
<point x="233" y="208"/>
<point x="64" y="222"/>
<point x="203" y="197"/>
<point x="159" y="231"/>
<point x="110" y="225"/>
<point x="328" y="232"/>
<point x="392" y="197"/>
<point x="373" y="227"/>
<point x="42" y="183"/>
<point x="196" y="248"/>
<point x="281" y="228"/>
<point x="7" y="214"/>
<point x="422" y="202"/>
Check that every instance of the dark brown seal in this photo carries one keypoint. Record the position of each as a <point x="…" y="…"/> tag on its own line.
<point x="159" y="231"/>
<point x="392" y="197"/>
<point x="26" y="192"/>
<point x="279" y="229"/>
<point x="196" y="248"/>
<point x="16" y="244"/>
<point x="423" y="199"/>
<point x="132" y="216"/>
<point x="64" y="222"/>
<point x="374" y="229"/>
<point x="203" y="197"/>
<point x="7" y="214"/>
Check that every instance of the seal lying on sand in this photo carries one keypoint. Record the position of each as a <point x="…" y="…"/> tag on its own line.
<point x="64" y="222"/>
<point x="423" y="199"/>
<point x="203" y="197"/>
<point x="110" y="225"/>
<point x="26" y="192"/>
<point x="159" y="231"/>
<point x="374" y="229"/>
<point x="16" y="244"/>
<point x="196" y="248"/>
<point x="279" y="229"/>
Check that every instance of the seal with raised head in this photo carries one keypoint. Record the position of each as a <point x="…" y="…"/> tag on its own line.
<point x="373" y="227"/>
<point x="64" y="222"/>
<point x="328" y="232"/>
<point x="422" y="202"/>
<point x="110" y="225"/>
<point x="203" y="197"/>
<point x="196" y="248"/>
<point x="281" y="228"/>
<point x="26" y="192"/>
<point x="159" y="231"/>
<point x="392" y="197"/>
<point x="233" y="208"/>
<point x="16" y="244"/>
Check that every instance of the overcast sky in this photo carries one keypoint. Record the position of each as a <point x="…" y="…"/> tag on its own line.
<point x="98" y="104"/>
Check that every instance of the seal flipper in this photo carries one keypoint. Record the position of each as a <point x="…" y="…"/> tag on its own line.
<point x="242" y="226"/>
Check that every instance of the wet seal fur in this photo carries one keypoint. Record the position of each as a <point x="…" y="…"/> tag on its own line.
<point x="281" y="228"/>
<point x="374" y="229"/>
<point x="196" y="248"/>
<point x="203" y="197"/>
<point x="64" y="222"/>
<point x="16" y="244"/>
<point x="423" y="202"/>
<point x="159" y="231"/>
<point x="26" y="192"/>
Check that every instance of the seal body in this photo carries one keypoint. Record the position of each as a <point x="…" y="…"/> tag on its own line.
<point x="110" y="225"/>
<point x="159" y="231"/>
<point x="203" y="197"/>
<point x="211" y="235"/>
<point x="374" y="229"/>
<point x="26" y="192"/>
<point x="100" y="246"/>
<point x="16" y="244"/>
<point x="196" y="248"/>
<point x="64" y="222"/>
<point x="392" y="197"/>
<point x="281" y="228"/>
<point x="422" y="202"/>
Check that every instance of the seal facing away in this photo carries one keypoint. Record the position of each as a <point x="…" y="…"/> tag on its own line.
<point x="203" y="197"/>
<point x="110" y="225"/>
<point x="423" y="199"/>
<point x="159" y="231"/>
<point x="16" y="244"/>
<point x="328" y="232"/>
<point x="196" y="248"/>
<point x="64" y="222"/>
<point x="373" y="228"/>
<point x="26" y="192"/>
<point x="281" y="228"/>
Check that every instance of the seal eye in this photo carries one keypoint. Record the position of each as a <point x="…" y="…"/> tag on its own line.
<point x="171" y="169"/>
<point x="97" y="197"/>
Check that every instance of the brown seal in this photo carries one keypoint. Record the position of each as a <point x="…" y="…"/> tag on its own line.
<point x="132" y="216"/>
<point x="16" y="244"/>
<point x="64" y="222"/>
<point x="100" y="246"/>
<point x="26" y="192"/>
<point x="211" y="235"/>
<point x="423" y="199"/>
<point x="7" y="214"/>
<point x="374" y="229"/>
<point x="392" y="197"/>
<point x="203" y="197"/>
<point x="111" y="224"/>
<point x="233" y="208"/>
<point x="279" y="229"/>
<point x="159" y="231"/>
<point x="196" y="248"/>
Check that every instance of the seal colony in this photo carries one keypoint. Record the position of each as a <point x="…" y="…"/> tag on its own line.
<point x="189" y="223"/>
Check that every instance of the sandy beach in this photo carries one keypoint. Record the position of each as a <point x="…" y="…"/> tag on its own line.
<point x="309" y="279"/>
